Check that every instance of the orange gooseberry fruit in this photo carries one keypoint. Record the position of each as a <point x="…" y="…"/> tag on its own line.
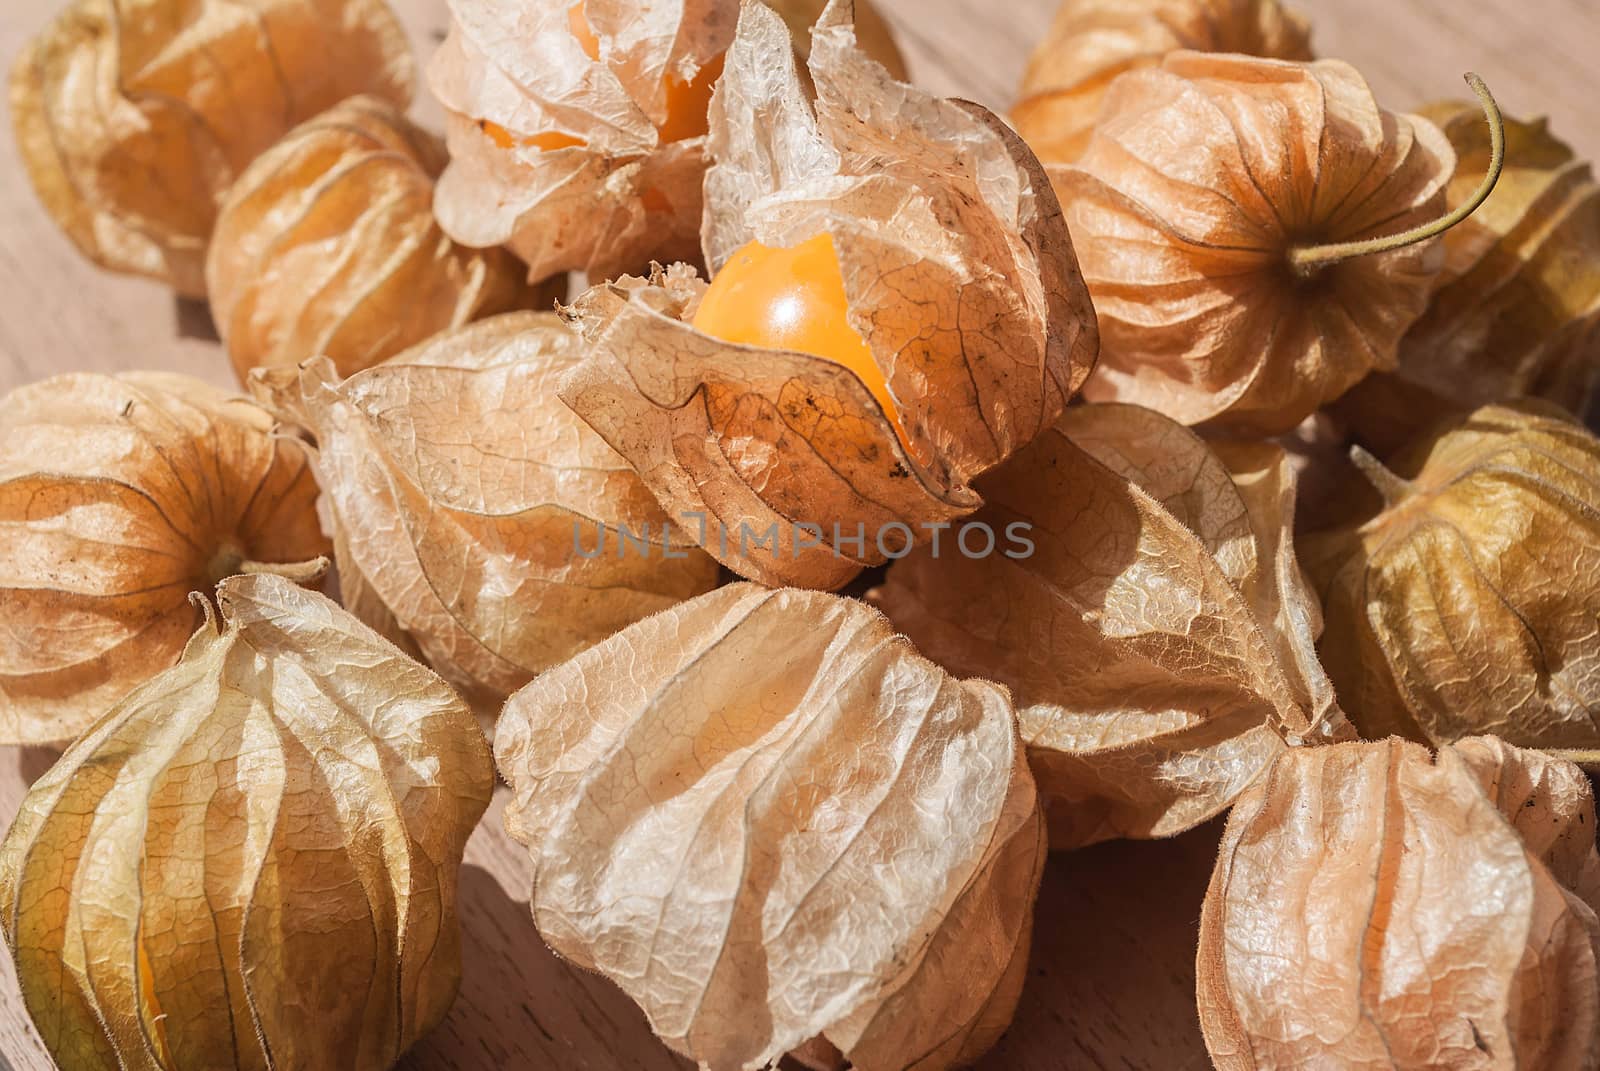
<point x="792" y="299"/>
<point x="687" y="102"/>
<point x="579" y="23"/>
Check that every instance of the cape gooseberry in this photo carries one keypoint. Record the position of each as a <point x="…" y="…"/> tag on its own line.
<point x="792" y="299"/>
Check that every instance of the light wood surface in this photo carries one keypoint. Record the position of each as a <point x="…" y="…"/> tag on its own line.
<point x="1112" y="975"/>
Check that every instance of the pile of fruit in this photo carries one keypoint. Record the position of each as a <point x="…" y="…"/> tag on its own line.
<point x="818" y="500"/>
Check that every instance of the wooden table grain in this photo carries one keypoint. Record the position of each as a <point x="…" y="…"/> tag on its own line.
<point x="1112" y="973"/>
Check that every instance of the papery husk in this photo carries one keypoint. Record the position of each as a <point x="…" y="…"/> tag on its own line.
<point x="1469" y="603"/>
<point x="769" y="820"/>
<point x="1148" y="616"/>
<point x="119" y="495"/>
<point x="622" y="197"/>
<point x="1517" y="309"/>
<point x="251" y="860"/>
<point x="1203" y="176"/>
<point x="1090" y="42"/>
<point x="133" y="117"/>
<point x="959" y="275"/>
<point x="1378" y="907"/>
<point x="327" y="246"/>
<point x="473" y="513"/>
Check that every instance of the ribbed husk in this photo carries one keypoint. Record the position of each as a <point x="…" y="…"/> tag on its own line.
<point x="621" y="197"/>
<point x="1468" y="603"/>
<point x="250" y="862"/>
<point x="1378" y="907"/>
<point x="959" y="275"/>
<point x="1202" y="177"/>
<point x="119" y="495"/>
<point x="133" y="117"/>
<point x="327" y="247"/>
<point x="1090" y="42"/>
<point x="1144" y="605"/>
<point x="769" y="820"/>
<point x="474" y="516"/>
<point x="1517" y="309"/>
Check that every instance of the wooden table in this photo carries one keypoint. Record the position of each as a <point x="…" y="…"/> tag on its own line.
<point x="1112" y="972"/>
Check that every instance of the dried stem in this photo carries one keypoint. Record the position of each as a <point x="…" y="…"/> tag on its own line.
<point x="1309" y="260"/>
<point x="230" y="561"/>
<point x="1393" y="488"/>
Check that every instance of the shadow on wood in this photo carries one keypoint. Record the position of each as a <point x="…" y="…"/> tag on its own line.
<point x="191" y="318"/>
<point x="34" y="762"/>
<point x="522" y="1006"/>
<point x="1112" y="967"/>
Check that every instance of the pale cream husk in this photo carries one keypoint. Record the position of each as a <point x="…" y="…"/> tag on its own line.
<point x="474" y="514"/>
<point x="1378" y="907"/>
<point x="618" y="195"/>
<point x="1143" y="603"/>
<point x="327" y="247"/>
<point x="119" y="495"/>
<point x="131" y="132"/>
<point x="769" y="820"/>
<point x="250" y="862"/>
<point x="959" y="275"/>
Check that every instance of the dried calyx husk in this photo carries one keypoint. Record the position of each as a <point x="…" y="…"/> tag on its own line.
<point x="474" y="516"/>
<point x="119" y="495"/>
<point x="941" y="319"/>
<point x="1467" y="604"/>
<point x="251" y="860"/>
<point x="1257" y="235"/>
<point x="774" y="824"/>
<point x="1148" y="615"/>
<point x="1376" y="906"/>
<point x="577" y="127"/>
<point x="132" y="135"/>
<point x="1091" y="42"/>
<point x="1517" y="308"/>
<point x="327" y="246"/>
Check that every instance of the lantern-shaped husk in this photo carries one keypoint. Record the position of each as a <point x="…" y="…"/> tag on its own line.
<point x="327" y="247"/>
<point x="1206" y="180"/>
<point x="474" y="515"/>
<point x="577" y="130"/>
<point x="119" y="495"/>
<point x="772" y="822"/>
<point x="1517" y="309"/>
<point x="1468" y="603"/>
<point x="1377" y="906"/>
<point x="1141" y="599"/>
<point x="1090" y="42"/>
<point x="132" y="134"/>
<point x="251" y="860"/>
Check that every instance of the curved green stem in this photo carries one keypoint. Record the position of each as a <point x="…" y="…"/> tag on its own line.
<point x="1308" y="260"/>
